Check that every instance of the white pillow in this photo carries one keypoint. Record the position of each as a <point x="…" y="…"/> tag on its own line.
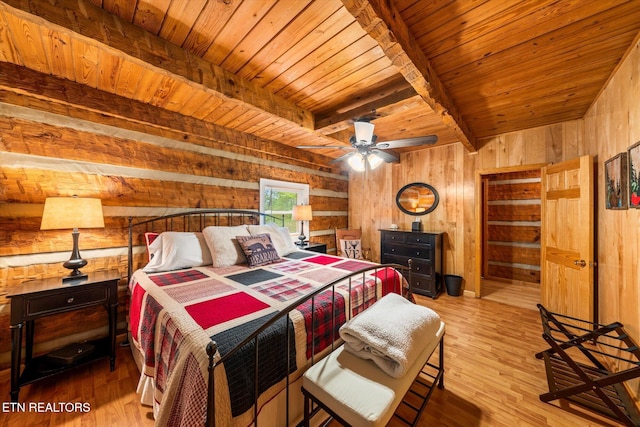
<point x="173" y="250"/>
<point x="224" y="247"/>
<point x="351" y="248"/>
<point x="280" y="237"/>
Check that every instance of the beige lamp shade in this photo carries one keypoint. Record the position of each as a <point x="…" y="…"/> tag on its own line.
<point x="302" y="213"/>
<point x="62" y="213"/>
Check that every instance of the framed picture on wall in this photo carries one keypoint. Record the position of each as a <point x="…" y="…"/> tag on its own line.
<point x="615" y="182"/>
<point x="634" y="175"/>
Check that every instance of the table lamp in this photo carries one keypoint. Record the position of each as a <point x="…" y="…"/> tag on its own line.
<point x="302" y="213"/>
<point x="61" y="213"/>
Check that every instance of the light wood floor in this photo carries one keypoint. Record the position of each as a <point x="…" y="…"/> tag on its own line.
<point x="518" y="294"/>
<point x="492" y="378"/>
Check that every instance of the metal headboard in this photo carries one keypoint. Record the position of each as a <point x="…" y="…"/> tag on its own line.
<point x="197" y="220"/>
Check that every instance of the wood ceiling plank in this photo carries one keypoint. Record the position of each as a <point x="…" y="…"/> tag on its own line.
<point x="168" y="90"/>
<point x="536" y="60"/>
<point x="85" y="63"/>
<point x="61" y="61"/>
<point x="128" y="79"/>
<point x="155" y="54"/>
<point x="385" y="25"/>
<point x="27" y="38"/>
<point x="218" y="115"/>
<point x="347" y="44"/>
<point x="462" y="23"/>
<point x="350" y="85"/>
<point x="309" y="50"/>
<point x="207" y="107"/>
<point x="8" y="45"/>
<point x="211" y="21"/>
<point x="149" y="84"/>
<point x="238" y="120"/>
<point x="125" y="9"/>
<point x="195" y="101"/>
<point x="236" y="29"/>
<point x="332" y="72"/>
<point x="287" y="41"/>
<point x="276" y="19"/>
<point x="523" y="29"/>
<point x="108" y="70"/>
<point x="179" y="20"/>
<point x="149" y="14"/>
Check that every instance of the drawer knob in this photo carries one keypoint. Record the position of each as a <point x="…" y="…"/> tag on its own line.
<point x="417" y="268"/>
<point x="393" y="250"/>
<point x="70" y="300"/>
<point x="417" y="253"/>
<point x="417" y="240"/>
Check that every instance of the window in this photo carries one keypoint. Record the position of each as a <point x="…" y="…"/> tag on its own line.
<point x="279" y="198"/>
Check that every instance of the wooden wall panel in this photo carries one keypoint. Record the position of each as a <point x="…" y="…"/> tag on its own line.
<point x="611" y="126"/>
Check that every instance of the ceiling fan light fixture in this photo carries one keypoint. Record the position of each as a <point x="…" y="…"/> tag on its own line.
<point x="364" y="131"/>
<point x="357" y="162"/>
<point x="374" y="161"/>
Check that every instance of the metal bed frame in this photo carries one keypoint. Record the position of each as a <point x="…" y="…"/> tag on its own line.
<point x="199" y="219"/>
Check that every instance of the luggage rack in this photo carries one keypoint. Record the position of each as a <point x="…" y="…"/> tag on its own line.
<point x="575" y="365"/>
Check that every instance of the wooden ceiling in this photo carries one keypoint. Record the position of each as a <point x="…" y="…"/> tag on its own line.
<point x="297" y="72"/>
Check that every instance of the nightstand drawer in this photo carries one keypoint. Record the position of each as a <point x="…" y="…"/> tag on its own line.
<point x="67" y="300"/>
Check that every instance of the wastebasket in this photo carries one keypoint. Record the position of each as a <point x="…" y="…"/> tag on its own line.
<point x="453" y="284"/>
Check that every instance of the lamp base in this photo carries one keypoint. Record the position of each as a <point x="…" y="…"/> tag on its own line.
<point x="301" y="239"/>
<point x="75" y="263"/>
<point x="76" y="275"/>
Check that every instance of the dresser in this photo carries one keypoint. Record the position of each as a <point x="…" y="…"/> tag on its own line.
<point x="425" y="251"/>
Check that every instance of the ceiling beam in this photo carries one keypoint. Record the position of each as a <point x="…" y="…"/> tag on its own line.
<point x="343" y="116"/>
<point x="47" y="93"/>
<point x="383" y="23"/>
<point x="94" y="26"/>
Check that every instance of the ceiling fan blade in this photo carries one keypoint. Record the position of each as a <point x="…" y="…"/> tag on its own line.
<point x="342" y="147"/>
<point x="342" y="158"/>
<point x="387" y="157"/>
<point x="409" y="142"/>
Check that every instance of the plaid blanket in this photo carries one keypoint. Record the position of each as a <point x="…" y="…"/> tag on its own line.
<point x="174" y="315"/>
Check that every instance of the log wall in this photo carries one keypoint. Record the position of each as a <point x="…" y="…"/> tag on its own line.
<point x="138" y="170"/>
<point x="511" y="220"/>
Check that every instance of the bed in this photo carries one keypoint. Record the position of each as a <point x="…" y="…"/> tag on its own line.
<point x="221" y="342"/>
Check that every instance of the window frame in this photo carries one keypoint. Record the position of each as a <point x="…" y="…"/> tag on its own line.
<point x="301" y="189"/>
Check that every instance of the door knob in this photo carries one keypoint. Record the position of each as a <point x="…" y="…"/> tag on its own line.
<point x="580" y="262"/>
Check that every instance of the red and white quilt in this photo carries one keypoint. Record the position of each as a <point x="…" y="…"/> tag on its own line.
<point x="174" y="315"/>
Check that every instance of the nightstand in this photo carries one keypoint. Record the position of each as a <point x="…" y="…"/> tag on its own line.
<point x="40" y="298"/>
<point x="314" y="247"/>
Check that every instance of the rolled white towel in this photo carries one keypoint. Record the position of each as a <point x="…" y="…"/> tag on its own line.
<point x="392" y="333"/>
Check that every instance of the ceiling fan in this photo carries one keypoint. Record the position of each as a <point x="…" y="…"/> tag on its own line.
<point x="367" y="151"/>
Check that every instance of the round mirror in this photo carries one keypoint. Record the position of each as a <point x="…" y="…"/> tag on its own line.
<point x="417" y="199"/>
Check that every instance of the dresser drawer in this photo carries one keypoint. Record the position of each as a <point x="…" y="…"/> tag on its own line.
<point x="423" y="285"/>
<point x="393" y="236"/>
<point x="67" y="300"/>
<point x="422" y="268"/>
<point x="413" y="252"/>
<point x="420" y="239"/>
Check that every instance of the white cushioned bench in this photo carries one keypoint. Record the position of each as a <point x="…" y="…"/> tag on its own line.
<point x="356" y="392"/>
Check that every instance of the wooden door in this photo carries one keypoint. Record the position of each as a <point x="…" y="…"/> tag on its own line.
<point x="567" y="238"/>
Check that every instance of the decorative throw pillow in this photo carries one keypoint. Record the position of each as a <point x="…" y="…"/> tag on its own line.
<point x="280" y="237"/>
<point x="173" y="250"/>
<point x="351" y="248"/>
<point x="224" y="247"/>
<point x="258" y="249"/>
<point x="149" y="238"/>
